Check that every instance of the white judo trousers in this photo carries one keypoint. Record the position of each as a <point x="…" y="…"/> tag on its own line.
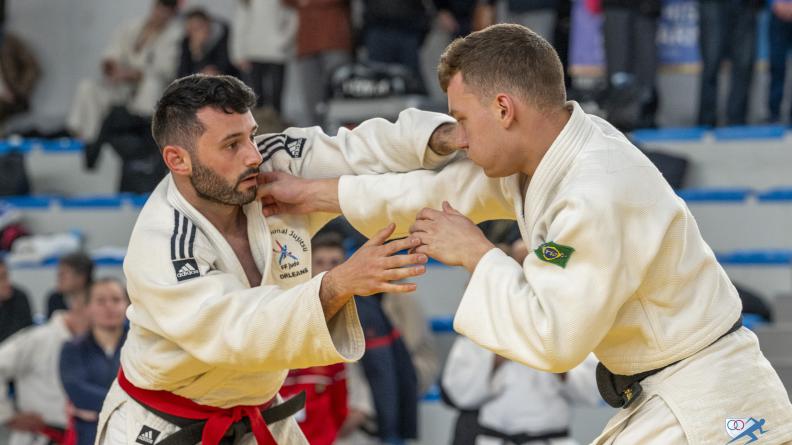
<point x="698" y="400"/>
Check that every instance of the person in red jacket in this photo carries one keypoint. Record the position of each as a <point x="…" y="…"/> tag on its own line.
<point x="325" y="386"/>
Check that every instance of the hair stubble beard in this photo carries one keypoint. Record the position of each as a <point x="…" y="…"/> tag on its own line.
<point x="212" y="187"/>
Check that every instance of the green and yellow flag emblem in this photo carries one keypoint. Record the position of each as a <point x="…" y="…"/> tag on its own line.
<point x="553" y="253"/>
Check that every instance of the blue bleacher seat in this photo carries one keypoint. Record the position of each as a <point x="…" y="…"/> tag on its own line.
<point x="720" y="194"/>
<point x="91" y="202"/>
<point x="767" y="257"/>
<point x="668" y="134"/>
<point x="749" y="132"/>
<point x="776" y="195"/>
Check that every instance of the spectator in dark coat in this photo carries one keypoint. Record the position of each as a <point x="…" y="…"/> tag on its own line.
<point x="204" y="48"/>
<point x="89" y="364"/>
<point x="14" y="306"/>
<point x="727" y="30"/>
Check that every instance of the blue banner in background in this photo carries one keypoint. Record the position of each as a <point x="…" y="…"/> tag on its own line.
<point x="586" y="51"/>
<point x="677" y="33"/>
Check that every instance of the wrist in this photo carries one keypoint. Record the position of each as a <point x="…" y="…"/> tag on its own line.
<point x="476" y="253"/>
<point x="323" y="196"/>
<point x="332" y="294"/>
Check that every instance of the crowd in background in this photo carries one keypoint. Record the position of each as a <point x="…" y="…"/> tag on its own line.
<point x="62" y="367"/>
<point x="339" y="45"/>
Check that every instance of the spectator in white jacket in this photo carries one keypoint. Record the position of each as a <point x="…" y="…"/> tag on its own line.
<point x="139" y="62"/>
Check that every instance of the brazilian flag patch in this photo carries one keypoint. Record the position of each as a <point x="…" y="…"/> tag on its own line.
<point x="554" y="253"/>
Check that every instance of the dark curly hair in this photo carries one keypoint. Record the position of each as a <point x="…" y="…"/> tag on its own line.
<point x="175" y="121"/>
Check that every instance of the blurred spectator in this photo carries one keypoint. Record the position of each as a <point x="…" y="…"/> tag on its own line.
<point x="129" y="135"/>
<point x="561" y="36"/>
<point x="537" y="15"/>
<point x="398" y="367"/>
<point x="19" y="74"/>
<point x="394" y="32"/>
<point x="510" y="403"/>
<point x="262" y="35"/>
<point x="30" y="357"/>
<point x="780" y="44"/>
<point x="204" y="48"/>
<point x="325" y="386"/>
<point x="74" y="277"/>
<point x="504" y="402"/>
<point x="324" y="42"/>
<point x="727" y="30"/>
<point x="15" y="311"/>
<point x="629" y="31"/>
<point x="460" y="17"/>
<point x="89" y="364"/>
<point x="139" y="63"/>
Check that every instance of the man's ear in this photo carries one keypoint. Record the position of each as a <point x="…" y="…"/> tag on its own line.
<point x="177" y="159"/>
<point x="505" y="107"/>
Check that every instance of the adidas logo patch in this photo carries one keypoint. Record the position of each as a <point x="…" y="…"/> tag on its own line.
<point x="186" y="269"/>
<point x="147" y="436"/>
<point x="295" y="146"/>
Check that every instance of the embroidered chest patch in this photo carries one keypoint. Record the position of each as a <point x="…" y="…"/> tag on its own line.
<point x="290" y="253"/>
<point x="553" y="253"/>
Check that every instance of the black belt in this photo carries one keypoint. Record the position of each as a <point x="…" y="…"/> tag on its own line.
<point x="619" y="391"/>
<point x="521" y="438"/>
<point x="191" y="430"/>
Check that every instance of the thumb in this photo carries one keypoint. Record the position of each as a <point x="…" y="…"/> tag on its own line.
<point x="264" y="190"/>
<point x="267" y="177"/>
<point x="448" y="209"/>
<point x="381" y="236"/>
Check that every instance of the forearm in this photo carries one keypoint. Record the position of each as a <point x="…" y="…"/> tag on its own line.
<point x="322" y="195"/>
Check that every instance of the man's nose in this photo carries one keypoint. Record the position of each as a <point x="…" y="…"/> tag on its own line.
<point x="252" y="155"/>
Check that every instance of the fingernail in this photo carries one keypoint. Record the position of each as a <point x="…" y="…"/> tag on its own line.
<point x="423" y="258"/>
<point x="420" y="269"/>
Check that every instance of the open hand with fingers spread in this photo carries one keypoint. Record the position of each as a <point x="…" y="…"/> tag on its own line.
<point x="450" y="237"/>
<point x="372" y="270"/>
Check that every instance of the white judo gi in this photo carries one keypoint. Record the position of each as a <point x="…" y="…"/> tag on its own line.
<point x="31" y="358"/>
<point x="617" y="267"/>
<point x="515" y="399"/>
<point x="200" y="330"/>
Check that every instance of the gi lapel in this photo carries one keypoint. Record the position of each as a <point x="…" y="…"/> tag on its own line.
<point x="218" y="241"/>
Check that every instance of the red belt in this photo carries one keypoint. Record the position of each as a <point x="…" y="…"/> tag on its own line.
<point x="385" y="340"/>
<point x="218" y="420"/>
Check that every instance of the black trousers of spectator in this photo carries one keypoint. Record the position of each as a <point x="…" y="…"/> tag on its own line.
<point x="631" y="52"/>
<point x="780" y="44"/>
<point x="267" y="79"/>
<point x="390" y="45"/>
<point x="727" y="30"/>
<point x="130" y="136"/>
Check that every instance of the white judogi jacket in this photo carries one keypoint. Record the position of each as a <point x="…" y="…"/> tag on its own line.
<point x="514" y="398"/>
<point x="158" y="61"/>
<point x="198" y="328"/>
<point x="31" y="358"/>
<point x="641" y="289"/>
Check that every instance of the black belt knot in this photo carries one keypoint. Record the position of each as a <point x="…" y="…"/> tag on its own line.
<point x="619" y="391"/>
